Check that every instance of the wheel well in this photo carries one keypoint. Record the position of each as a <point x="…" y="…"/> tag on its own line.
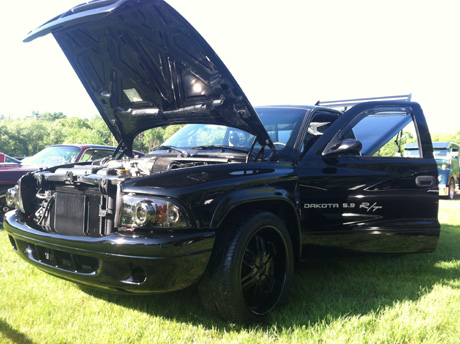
<point x="283" y="210"/>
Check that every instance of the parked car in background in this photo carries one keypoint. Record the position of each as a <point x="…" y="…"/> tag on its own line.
<point x="48" y="157"/>
<point x="67" y="154"/>
<point x="447" y="159"/>
<point x="6" y="160"/>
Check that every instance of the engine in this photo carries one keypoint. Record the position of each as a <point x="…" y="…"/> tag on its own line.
<point x="148" y="166"/>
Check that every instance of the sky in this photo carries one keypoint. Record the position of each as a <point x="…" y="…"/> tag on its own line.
<point x="280" y="52"/>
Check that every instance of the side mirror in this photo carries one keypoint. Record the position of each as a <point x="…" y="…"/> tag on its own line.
<point x="344" y="147"/>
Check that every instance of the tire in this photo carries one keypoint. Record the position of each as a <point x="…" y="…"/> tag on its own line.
<point x="250" y="271"/>
<point x="451" y="193"/>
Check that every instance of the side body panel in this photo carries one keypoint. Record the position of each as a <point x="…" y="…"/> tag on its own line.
<point x="369" y="204"/>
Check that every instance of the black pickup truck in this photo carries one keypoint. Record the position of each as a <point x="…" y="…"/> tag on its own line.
<point x="234" y="198"/>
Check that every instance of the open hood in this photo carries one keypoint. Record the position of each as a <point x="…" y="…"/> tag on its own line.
<point x="145" y="66"/>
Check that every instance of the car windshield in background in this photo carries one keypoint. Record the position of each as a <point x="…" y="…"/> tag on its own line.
<point x="52" y="156"/>
<point x="282" y="124"/>
<point x="5" y="159"/>
<point x="441" y="154"/>
<point x="412" y="153"/>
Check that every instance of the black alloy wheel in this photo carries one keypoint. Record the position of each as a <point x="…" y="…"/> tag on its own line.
<point x="251" y="269"/>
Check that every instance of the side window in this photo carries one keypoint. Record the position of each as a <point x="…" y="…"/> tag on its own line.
<point x="318" y="125"/>
<point x="397" y="144"/>
<point x="384" y="134"/>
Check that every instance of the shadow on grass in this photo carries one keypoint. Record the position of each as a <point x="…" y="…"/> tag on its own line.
<point x="13" y="335"/>
<point x="324" y="289"/>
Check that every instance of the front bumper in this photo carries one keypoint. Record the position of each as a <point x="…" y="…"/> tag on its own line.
<point x="123" y="263"/>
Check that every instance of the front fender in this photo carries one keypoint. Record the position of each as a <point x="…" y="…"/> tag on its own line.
<point x="240" y="197"/>
<point x="279" y="201"/>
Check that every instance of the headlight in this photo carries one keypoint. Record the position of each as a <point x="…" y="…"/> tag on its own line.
<point x="146" y="212"/>
<point x="12" y="197"/>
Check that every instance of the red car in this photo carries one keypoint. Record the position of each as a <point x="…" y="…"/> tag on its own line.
<point x="12" y="169"/>
<point x="6" y="161"/>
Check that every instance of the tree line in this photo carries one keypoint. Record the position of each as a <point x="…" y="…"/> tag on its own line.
<point x="22" y="137"/>
<point x="448" y="137"/>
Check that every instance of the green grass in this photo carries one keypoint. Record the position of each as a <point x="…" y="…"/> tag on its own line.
<point x="397" y="299"/>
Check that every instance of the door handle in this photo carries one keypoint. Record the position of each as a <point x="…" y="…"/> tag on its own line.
<point x="425" y="181"/>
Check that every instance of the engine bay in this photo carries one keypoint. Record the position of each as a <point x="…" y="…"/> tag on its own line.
<point x="80" y="199"/>
<point x="129" y="167"/>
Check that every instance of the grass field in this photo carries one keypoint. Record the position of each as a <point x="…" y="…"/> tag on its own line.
<point x="397" y="299"/>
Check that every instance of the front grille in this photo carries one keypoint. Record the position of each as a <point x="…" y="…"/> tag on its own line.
<point x="82" y="212"/>
<point x="63" y="260"/>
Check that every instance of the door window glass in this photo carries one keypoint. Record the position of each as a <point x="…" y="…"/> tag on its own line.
<point x="384" y="134"/>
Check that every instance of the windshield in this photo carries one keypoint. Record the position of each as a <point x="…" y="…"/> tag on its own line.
<point x="441" y="153"/>
<point x="282" y="125"/>
<point x="52" y="156"/>
<point x="443" y="156"/>
<point x="413" y="153"/>
<point x="197" y="135"/>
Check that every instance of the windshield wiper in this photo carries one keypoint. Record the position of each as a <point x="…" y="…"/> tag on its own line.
<point x="172" y="148"/>
<point x="248" y="153"/>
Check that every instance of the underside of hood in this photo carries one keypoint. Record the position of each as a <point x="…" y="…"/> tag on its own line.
<point x="145" y="66"/>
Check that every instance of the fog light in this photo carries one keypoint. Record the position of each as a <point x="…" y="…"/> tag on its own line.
<point x="138" y="276"/>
